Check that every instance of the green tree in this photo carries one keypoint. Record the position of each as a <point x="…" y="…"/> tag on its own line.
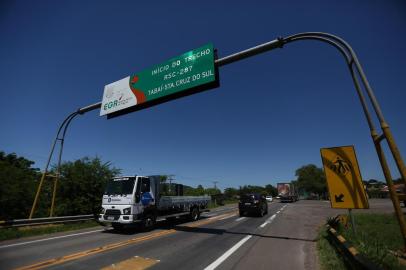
<point x="81" y="186"/>
<point x="212" y="191"/>
<point x="231" y="193"/>
<point x="199" y="190"/>
<point x="18" y="181"/>
<point x="164" y="178"/>
<point x="252" y="189"/>
<point x="271" y="190"/>
<point x="311" y="179"/>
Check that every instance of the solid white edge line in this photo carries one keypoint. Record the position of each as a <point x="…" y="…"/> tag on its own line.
<point x="227" y="254"/>
<point x="46" y="239"/>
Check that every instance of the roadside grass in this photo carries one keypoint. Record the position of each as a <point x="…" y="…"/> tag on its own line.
<point x="328" y="257"/>
<point x="13" y="233"/>
<point x="377" y="235"/>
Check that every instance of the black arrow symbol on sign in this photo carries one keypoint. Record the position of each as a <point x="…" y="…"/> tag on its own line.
<point x="339" y="198"/>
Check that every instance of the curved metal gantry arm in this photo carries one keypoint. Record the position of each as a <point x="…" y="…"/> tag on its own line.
<point x="341" y="46"/>
<point x="355" y="66"/>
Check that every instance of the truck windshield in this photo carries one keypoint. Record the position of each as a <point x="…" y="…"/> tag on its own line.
<point x="120" y="186"/>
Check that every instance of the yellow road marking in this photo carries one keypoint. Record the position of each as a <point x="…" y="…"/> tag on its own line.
<point x="135" y="263"/>
<point x="85" y="253"/>
<point x="79" y="255"/>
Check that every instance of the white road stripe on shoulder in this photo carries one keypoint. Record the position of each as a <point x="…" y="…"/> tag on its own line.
<point x="228" y="253"/>
<point x="241" y="218"/>
<point x="46" y="239"/>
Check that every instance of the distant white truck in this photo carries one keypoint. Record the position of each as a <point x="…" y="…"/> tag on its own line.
<point x="130" y="200"/>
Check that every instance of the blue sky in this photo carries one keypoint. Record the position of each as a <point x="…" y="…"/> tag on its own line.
<point x="271" y="114"/>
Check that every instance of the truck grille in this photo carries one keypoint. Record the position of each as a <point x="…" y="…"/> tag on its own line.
<point x="113" y="212"/>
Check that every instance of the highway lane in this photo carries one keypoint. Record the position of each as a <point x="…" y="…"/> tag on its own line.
<point x="200" y="235"/>
<point x="17" y="253"/>
<point x="288" y="242"/>
<point x="284" y="239"/>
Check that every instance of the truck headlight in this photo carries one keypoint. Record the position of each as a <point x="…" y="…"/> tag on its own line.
<point x="103" y="210"/>
<point x="127" y="211"/>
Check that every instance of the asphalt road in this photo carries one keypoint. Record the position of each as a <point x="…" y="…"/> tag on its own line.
<point x="283" y="239"/>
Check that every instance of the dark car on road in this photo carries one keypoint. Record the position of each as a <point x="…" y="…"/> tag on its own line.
<point x="253" y="204"/>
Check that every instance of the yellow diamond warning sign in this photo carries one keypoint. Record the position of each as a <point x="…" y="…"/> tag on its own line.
<point x="343" y="178"/>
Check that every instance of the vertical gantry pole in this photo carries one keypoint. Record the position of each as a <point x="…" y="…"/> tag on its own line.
<point x="65" y="124"/>
<point x="44" y="174"/>
<point x="58" y="168"/>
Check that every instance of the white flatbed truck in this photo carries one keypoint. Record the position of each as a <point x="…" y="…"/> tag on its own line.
<point x="130" y="200"/>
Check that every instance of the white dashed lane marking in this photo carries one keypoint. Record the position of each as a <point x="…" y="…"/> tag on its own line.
<point x="228" y="253"/>
<point x="269" y="220"/>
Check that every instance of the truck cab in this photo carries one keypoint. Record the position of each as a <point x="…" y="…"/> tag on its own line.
<point x="126" y="199"/>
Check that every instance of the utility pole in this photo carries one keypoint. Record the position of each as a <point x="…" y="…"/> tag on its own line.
<point x="215" y="184"/>
<point x="170" y="178"/>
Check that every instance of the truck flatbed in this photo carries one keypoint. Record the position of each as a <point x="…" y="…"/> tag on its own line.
<point x="166" y="202"/>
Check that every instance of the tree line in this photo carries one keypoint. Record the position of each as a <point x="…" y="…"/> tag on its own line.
<point x="79" y="190"/>
<point x="82" y="182"/>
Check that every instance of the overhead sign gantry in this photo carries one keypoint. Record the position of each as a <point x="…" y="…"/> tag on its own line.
<point x="152" y="98"/>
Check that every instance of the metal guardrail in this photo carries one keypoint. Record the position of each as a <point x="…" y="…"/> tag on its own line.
<point x="43" y="221"/>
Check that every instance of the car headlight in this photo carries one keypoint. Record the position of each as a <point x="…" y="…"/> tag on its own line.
<point x="103" y="210"/>
<point x="127" y="211"/>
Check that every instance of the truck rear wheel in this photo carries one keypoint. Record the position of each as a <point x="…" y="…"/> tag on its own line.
<point x="194" y="213"/>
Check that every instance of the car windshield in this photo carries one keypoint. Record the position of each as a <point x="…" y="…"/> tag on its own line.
<point x="249" y="197"/>
<point x="120" y="186"/>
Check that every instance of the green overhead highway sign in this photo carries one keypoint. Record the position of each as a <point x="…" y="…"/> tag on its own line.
<point x="191" y="72"/>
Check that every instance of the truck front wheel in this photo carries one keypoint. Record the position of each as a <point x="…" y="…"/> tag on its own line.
<point x="194" y="214"/>
<point x="149" y="222"/>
